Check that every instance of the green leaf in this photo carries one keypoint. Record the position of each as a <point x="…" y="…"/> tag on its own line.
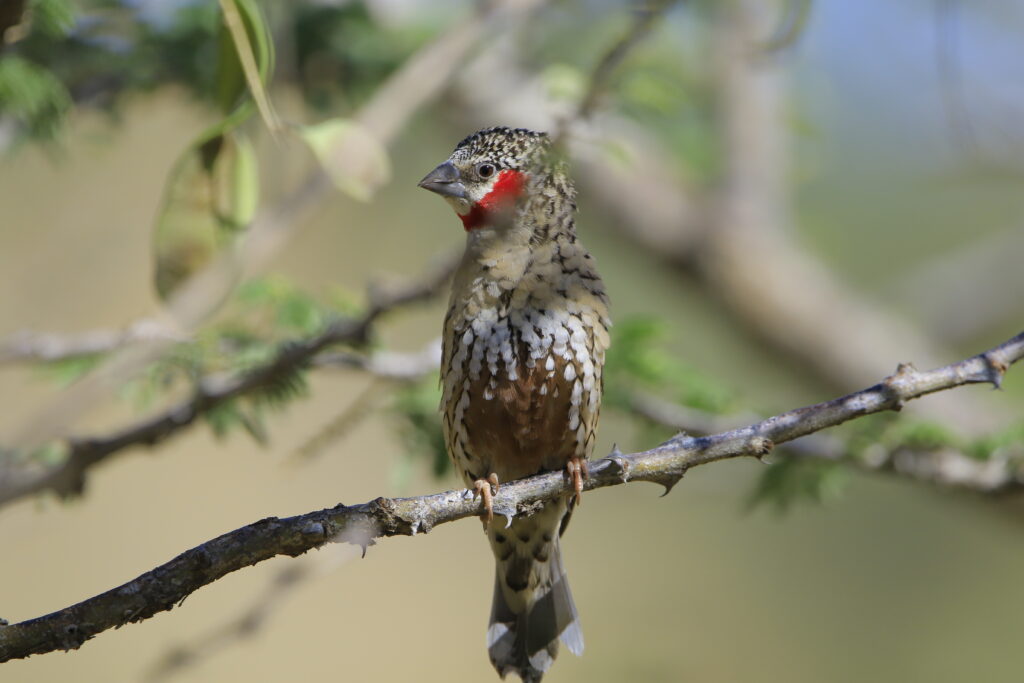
<point x="53" y="18"/>
<point x="353" y="158"/>
<point x="231" y="86"/>
<point x="211" y="194"/>
<point x="32" y="96"/>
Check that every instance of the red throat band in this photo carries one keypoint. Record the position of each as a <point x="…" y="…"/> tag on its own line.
<point x="507" y="189"/>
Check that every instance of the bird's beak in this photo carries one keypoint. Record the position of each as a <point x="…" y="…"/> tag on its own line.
<point x="445" y="181"/>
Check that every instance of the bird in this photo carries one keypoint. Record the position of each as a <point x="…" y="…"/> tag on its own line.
<point x="525" y="338"/>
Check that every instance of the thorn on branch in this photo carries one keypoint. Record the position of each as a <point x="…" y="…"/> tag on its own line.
<point x="669" y="483"/>
<point x="508" y="515"/>
<point x="618" y="463"/>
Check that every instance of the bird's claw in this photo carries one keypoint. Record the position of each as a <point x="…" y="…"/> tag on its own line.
<point x="578" y="471"/>
<point x="486" y="489"/>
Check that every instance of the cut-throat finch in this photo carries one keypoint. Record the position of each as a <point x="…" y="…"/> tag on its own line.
<point x="524" y="345"/>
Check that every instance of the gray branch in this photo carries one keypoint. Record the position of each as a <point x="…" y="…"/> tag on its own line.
<point x="169" y="584"/>
<point x="69" y="476"/>
<point x="47" y="347"/>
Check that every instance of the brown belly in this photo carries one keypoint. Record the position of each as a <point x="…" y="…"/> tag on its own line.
<point x="520" y="427"/>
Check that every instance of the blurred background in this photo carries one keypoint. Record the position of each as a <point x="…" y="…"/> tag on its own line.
<point x="786" y="200"/>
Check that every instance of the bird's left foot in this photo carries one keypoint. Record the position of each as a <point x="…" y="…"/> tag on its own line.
<point x="578" y="471"/>
<point x="486" y="489"/>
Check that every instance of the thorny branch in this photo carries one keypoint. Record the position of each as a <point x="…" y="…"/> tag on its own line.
<point x="942" y="465"/>
<point x="69" y="476"/>
<point x="167" y="585"/>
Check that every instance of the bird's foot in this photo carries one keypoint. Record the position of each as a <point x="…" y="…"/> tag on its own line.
<point x="577" y="470"/>
<point x="486" y="489"/>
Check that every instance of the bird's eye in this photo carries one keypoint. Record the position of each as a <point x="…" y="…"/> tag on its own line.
<point x="485" y="170"/>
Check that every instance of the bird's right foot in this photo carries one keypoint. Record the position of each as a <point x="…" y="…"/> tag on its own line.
<point x="486" y="489"/>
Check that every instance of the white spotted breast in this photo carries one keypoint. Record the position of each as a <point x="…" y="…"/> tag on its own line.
<point x="524" y="348"/>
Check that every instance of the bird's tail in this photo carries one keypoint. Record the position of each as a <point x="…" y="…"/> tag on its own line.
<point x="533" y="607"/>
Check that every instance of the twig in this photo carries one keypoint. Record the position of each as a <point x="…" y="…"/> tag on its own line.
<point x="342" y="424"/>
<point x="699" y="422"/>
<point x="387" y="368"/>
<point x="391" y="365"/>
<point x="942" y="465"/>
<point x="645" y="17"/>
<point x="167" y="585"/>
<point x="68" y="477"/>
<point x="49" y="347"/>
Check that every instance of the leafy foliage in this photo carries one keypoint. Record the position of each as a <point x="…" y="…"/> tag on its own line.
<point x="874" y="441"/>
<point x="1009" y="439"/>
<point x="795" y="479"/>
<point x="32" y="96"/>
<point x="213" y="190"/>
<point x="92" y="53"/>
<point x="265" y="314"/>
<point x="637" y="360"/>
<point x="342" y="54"/>
<point x="415" y="406"/>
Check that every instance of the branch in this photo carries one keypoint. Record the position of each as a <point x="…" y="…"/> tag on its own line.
<point x="944" y="465"/>
<point x="167" y="585"/>
<point x="699" y="422"/>
<point x="49" y="347"/>
<point x="645" y="17"/>
<point x="390" y="365"/>
<point x="68" y="477"/>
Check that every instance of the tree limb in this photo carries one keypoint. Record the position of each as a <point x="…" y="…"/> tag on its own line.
<point x="169" y="584"/>
<point x="943" y="465"/>
<point x="645" y="16"/>
<point x="26" y="345"/>
<point x="69" y="476"/>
